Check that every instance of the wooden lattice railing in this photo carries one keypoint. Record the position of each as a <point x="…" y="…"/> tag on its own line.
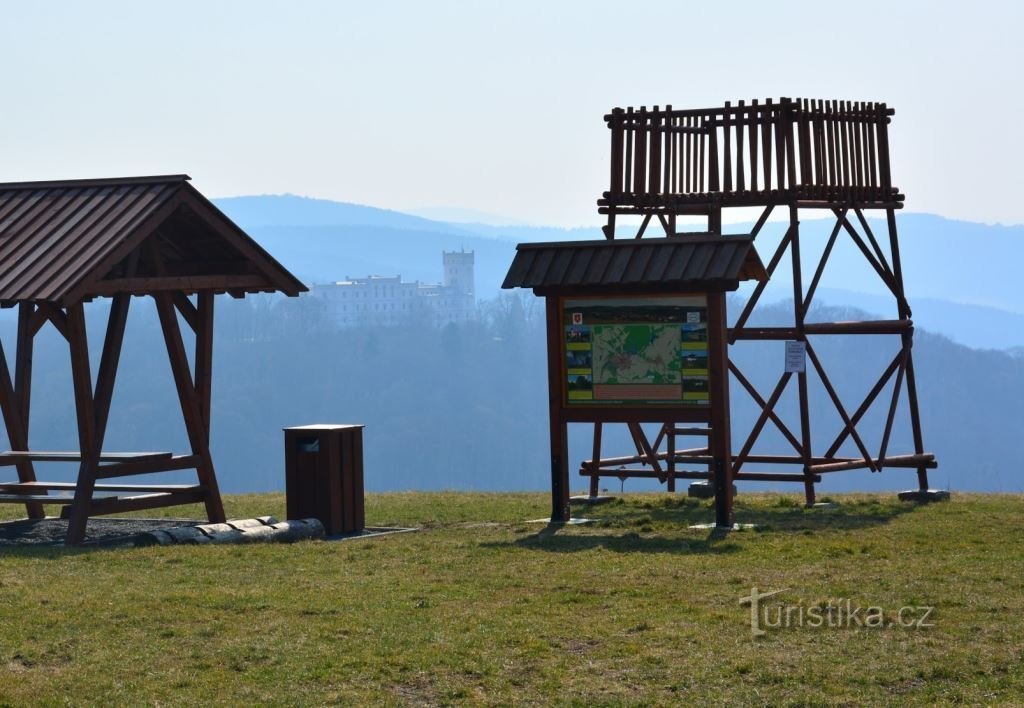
<point x="749" y="154"/>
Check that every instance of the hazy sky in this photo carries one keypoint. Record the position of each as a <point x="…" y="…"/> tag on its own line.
<point x="487" y="105"/>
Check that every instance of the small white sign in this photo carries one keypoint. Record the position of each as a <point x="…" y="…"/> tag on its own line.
<point x="692" y="318"/>
<point x="796" y="357"/>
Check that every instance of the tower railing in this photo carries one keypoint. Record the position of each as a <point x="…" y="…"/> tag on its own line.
<point x="750" y="154"/>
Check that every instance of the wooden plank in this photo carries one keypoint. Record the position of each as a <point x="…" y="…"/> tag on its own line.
<point x="28" y="487"/>
<point x="630" y="139"/>
<point x="12" y="456"/>
<point x="177" y="283"/>
<point x="753" y="144"/>
<point x="34" y="499"/>
<point x="120" y="505"/>
<point x="741" y="183"/>
<point x="727" y="149"/>
<point x="654" y="174"/>
<point x="615" y="185"/>
<point x="147" y="466"/>
<point x="640" y="155"/>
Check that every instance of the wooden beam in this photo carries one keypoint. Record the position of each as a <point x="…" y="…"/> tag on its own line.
<point x="190" y="406"/>
<point x="866" y="404"/>
<point x="148" y="466"/>
<point x="783" y="428"/>
<point x="85" y="412"/>
<point x="180" y="283"/>
<point x="12" y="408"/>
<point x="720" y="437"/>
<point x="801" y="377"/>
<point x="120" y="505"/>
<point x="839" y="407"/>
<point x="204" y="357"/>
<point x="109" y="359"/>
<point x="56" y="317"/>
<point x="186" y="309"/>
<point x="560" y="510"/>
<point x="15" y="456"/>
<point x="18" y="487"/>
<point x="23" y="361"/>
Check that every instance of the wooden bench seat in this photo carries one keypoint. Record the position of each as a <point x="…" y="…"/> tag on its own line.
<point x="13" y="457"/>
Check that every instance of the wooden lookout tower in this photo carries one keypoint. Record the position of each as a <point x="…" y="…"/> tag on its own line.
<point x="64" y="244"/>
<point x="826" y="157"/>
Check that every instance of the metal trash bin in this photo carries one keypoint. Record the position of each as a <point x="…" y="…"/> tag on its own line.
<point x="324" y="475"/>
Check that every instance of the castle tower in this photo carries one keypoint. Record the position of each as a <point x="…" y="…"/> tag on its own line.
<point x="458" y="272"/>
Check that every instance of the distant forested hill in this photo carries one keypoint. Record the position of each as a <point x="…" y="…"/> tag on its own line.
<point x="960" y="276"/>
<point x="464" y="407"/>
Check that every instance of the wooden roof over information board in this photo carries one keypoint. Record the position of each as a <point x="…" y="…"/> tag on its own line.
<point x="686" y="262"/>
<point x="70" y="241"/>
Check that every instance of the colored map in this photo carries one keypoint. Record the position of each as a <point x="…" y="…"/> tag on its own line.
<point x="636" y="354"/>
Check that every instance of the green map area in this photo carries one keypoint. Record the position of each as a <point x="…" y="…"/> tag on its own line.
<point x="636" y="354"/>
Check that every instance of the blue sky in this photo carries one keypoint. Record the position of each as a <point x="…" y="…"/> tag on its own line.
<point x="489" y="106"/>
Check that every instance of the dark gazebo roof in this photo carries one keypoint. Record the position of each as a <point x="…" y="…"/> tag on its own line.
<point x="69" y="241"/>
<point x="702" y="261"/>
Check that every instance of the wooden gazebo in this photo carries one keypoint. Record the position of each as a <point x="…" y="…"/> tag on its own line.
<point x="63" y="244"/>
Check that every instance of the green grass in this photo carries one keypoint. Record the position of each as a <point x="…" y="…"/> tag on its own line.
<point x="480" y="607"/>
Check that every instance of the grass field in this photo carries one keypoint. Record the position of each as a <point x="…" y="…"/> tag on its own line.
<point x="480" y="607"/>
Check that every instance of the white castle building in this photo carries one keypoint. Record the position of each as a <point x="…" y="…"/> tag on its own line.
<point x="387" y="300"/>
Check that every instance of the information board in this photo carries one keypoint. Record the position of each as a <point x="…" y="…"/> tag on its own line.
<point x="644" y="350"/>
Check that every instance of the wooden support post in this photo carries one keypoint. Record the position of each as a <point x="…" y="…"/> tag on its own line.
<point x="85" y="412"/>
<point x="715" y="220"/>
<point x="204" y="357"/>
<point x="15" y="398"/>
<point x="595" y="461"/>
<point x="560" y="511"/>
<point x="904" y="309"/>
<point x="798" y="313"/>
<point x="109" y="360"/>
<point x="669" y="432"/>
<point x="720" y="441"/>
<point x="191" y="408"/>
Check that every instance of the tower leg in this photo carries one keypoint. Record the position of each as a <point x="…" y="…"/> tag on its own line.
<point x="904" y="312"/>
<point x="798" y="323"/>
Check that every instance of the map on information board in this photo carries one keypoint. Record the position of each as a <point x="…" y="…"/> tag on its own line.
<point x="636" y="350"/>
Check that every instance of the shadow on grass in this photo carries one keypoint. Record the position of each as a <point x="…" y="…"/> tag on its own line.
<point x="662" y="525"/>
<point x="551" y="539"/>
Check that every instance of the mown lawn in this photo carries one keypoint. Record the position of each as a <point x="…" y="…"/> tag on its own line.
<point x="480" y="607"/>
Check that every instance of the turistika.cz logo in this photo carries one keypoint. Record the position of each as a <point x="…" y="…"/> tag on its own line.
<point x="840" y="613"/>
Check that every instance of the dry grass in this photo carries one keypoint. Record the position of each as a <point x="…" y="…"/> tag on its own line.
<point x="480" y="607"/>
